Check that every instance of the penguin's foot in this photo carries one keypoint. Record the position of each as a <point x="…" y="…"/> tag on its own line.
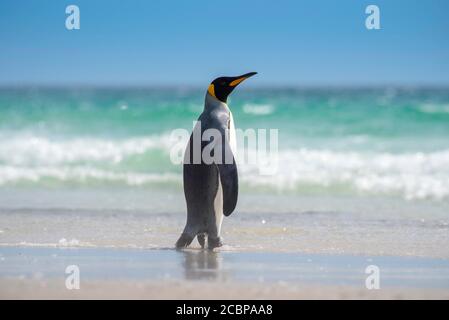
<point x="183" y="241"/>
<point x="201" y="239"/>
<point x="214" y="242"/>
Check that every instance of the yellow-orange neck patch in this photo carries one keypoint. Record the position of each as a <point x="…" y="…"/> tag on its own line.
<point x="211" y="90"/>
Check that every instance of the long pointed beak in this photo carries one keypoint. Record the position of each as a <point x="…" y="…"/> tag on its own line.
<point x="241" y="78"/>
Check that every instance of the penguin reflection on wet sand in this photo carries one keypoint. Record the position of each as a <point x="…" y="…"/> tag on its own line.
<point x="203" y="265"/>
<point x="211" y="189"/>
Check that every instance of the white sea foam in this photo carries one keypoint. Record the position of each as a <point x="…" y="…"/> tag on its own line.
<point x="61" y="243"/>
<point x="258" y="109"/>
<point x="81" y="174"/>
<point x="434" y="108"/>
<point x="413" y="175"/>
<point x="26" y="150"/>
<point x="36" y="160"/>
<point x="68" y="243"/>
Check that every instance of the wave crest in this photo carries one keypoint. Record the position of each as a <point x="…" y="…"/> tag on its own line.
<point x="413" y="175"/>
<point x="34" y="150"/>
<point x="41" y="161"/>
<point x="258" y="109"/>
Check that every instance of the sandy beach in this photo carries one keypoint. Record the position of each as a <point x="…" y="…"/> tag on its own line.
<point x="311" y="247"/>
<point x="168" y="290"/>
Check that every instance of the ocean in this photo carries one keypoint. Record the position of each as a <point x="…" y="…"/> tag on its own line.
<point x="93" y="165"/>
<point x="350" y="141"/>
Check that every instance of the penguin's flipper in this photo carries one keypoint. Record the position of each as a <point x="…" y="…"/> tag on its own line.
<point x="229" y="179"/>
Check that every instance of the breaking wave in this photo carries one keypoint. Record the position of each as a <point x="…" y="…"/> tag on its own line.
<point x="411" y="175"/>
<point x="145" y="161"/>
<point x="24" y="150"/>
<point x="258" y="109"/>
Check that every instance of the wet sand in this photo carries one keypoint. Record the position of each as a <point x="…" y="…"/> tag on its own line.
<point x="138" y="218"/>
<point x="178" y="290"/>
<point x="39" y="273"/>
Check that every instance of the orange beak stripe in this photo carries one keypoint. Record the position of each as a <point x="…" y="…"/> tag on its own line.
<point x="237" y="81"/>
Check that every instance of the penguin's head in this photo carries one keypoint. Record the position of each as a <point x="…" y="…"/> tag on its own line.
<point x="222" y="87"/>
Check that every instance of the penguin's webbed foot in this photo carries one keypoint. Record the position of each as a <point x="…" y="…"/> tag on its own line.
<point x="183" y="241"/>
<point x="214" y="243"/>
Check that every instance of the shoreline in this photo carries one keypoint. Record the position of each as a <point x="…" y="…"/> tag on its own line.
<point x="74" y="244"/>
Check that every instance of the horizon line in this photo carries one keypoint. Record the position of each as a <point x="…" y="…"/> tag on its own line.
<point x="4" y="86"/>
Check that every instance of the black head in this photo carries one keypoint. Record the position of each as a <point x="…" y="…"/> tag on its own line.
<point x="222" y="87"/>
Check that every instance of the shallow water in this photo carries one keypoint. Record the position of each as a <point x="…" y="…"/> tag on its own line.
<point x="200" y="265"/>
<point x="309" y="224"/>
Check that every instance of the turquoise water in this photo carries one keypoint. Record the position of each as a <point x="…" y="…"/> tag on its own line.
<point x="379" y="141"/>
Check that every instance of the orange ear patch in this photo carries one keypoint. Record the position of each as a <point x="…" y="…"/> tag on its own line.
<point x="211" y="90"/>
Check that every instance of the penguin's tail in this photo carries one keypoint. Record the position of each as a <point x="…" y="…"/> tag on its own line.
<point x="184" y="240"/>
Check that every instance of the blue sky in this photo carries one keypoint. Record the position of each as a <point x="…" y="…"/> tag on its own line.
<point x="295" y="43"/>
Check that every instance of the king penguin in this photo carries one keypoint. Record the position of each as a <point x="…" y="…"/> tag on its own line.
<point x="211" y="189"/>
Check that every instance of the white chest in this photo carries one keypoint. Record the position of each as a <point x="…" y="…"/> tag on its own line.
<point x="232" y="135"/>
